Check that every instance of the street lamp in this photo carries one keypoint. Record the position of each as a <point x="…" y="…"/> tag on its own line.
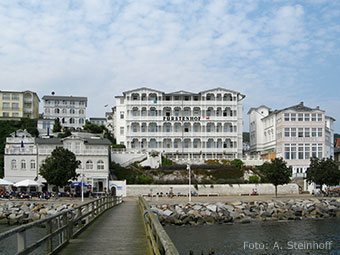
<point x="188" y="168"/>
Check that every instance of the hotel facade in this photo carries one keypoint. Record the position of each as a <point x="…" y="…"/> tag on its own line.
<point x="180" y="124"/>
<point x="295" y="134"/>
<point x="71" y="111"/>
<point x="24" y="155"/>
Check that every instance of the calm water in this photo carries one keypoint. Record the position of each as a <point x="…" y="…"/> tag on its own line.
<point x="291" y="237"/>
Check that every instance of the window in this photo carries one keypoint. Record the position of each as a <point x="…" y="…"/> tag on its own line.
<point x="77" y="147"/>
<point x="319" y="132"/>
<point x="122" y="130"/>
<point x="5" y="114"/>
<point x="286" y="116"/>
<point x="293" y="117"/>
<point x="81" y="111"/>
<point x="314" y="117"/>
<point x="153" y="143"/>
<point x="177" y="128"/>
<point x="89" y="164"/>
<point x="32" y="164"/>
<point x="56" y="110"/>
<point x="134" y="128"/>
<point x="287" y="151"/>
<point x="72" y="102"/>
<point x="300" y="132"/>
<point x="15" y="106"/>
<point x="121" y="115"/>
<point x="186" y="143"/>
<point x="307" y="132"/>
<point x="176" y="112"/>
<point x="293" y="132"/>
<point x="143" y="128"/>
<point x="300" y="152"/>
<point x="153" y="128"/>
<point x="319" y="117"/>
<point x="168" y="128"/>
<point x="23" y="164"/>
<point x="307" y="116"/>
<point x="300" y="117"/>
<point x="176" y="144"/>
<point x="209" y="143"/>
<point x="64" y="111"/>
<point x="81" y="121"/>
<point x="196" y="127"/>
<point x="72" y="111"/>
<point x="293" y="151"/>
<point x="72" y="121"/>
<point x="286" y="132"/>
<point x="14" y="164"/>
<point x="15" y="114"/>
<point x="195" y="144"/>
<point x="307" y="151"/>
<point x="6" y="97"/>
<point x="186" y="129"/>
<point x="56" y="102"/>
<point x="208" y="128"/>
<point x="100" y="165"/>
<point x="313" y="132"/>
<point x="5" y="106"/>
<point x="313" y="150"/>
<point x="320" y="151"/>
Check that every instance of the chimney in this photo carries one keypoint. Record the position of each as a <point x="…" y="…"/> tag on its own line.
<point x="318" y="107"/>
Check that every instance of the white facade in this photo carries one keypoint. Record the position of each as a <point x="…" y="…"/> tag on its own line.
<point x="70" y="110"/>
<point x="181" y="124"/>
<point x="23" y="153"/>
<point x="295" y="134"/>
<point x="45" y="126"/>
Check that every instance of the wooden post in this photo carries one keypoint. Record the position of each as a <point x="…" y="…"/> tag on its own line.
<point x="21" y="240"/>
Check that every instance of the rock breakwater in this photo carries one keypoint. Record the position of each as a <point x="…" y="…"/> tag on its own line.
<point x="21" y="213"/>
<point x="195" y="213"/>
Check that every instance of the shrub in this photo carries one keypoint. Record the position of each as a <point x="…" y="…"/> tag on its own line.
<point x="254" y="179"/>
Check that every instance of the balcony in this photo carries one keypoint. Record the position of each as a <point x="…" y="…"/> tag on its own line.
<point x="20" y="151"/>
<point x="28" y="100"/>
<point x="184" y="135"/>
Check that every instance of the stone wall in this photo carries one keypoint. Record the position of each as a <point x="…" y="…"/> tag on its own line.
<point x="220" y="189"/>
<point x="196" y="213"/>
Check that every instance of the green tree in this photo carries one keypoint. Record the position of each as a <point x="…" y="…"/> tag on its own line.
<point x="60" y="168"/>
<point x="275" y="172"/>
<point x="93" y="128"/>
<point x="56" y="126"/>
<point x="323" y="171"/>
<point x="237" y="163"/>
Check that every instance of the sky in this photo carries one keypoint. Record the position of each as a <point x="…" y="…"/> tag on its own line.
<point x="276" y="52"/>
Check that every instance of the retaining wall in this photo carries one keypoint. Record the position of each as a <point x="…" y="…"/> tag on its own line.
<point x="220" y="189"/>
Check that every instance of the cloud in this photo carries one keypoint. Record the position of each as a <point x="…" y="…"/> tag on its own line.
<point x="276" y="52"/>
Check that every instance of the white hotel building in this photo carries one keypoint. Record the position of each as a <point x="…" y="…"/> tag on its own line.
<point x="25" y="154"/>
<point x="295" y="134"/>
<point x="71" y="111"/>
<point x="180" y="124"/>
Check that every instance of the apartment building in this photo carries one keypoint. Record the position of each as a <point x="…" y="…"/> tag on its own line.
<point x="19" y="104"/>
<point x="295" y="133"/>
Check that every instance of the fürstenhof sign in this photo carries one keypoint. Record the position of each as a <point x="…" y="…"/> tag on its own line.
<point x="168" y="118"/>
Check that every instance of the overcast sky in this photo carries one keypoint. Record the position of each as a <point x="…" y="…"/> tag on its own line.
<point x="277" y="53"/>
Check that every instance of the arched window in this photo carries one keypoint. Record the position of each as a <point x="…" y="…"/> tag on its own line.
<point x="14" y="164"/>
<point x="89" y="164"/>
<point x="81" y="121"/>
<point x="72" y="121"/>
<point x="72" y="111"/>
<point x="32" y="164"/>
<point x="64" y="111"/>
<point x="100" y="165"/>
<point x="56" y="110"/>
<point x="81" y="111"/>
<point x="23" y="164"/>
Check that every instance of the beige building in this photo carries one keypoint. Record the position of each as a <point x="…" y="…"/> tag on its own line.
<point x="16" y="104"/>
<point x="295" y="134"/>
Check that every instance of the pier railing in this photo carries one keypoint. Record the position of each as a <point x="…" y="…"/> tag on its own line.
<point x="159" y="240"/>
<point x="54" y="232"/>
